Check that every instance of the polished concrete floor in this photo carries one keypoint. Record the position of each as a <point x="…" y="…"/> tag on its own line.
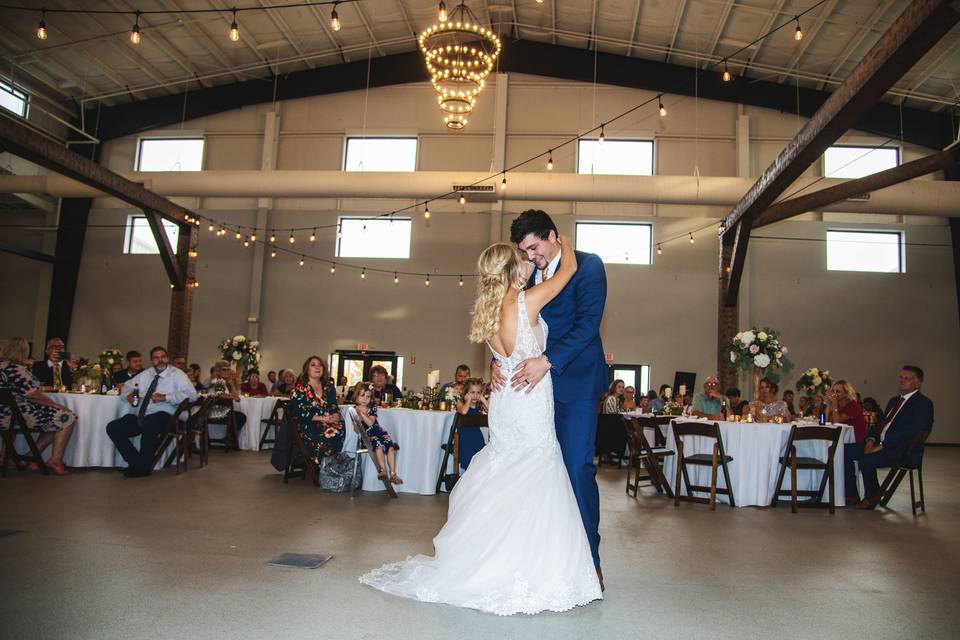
<point x="98" y="556"/>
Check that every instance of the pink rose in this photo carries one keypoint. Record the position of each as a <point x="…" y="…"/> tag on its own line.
<point x="754" y="349"/>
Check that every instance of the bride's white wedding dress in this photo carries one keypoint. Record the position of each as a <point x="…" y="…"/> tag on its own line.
<point x="514" y="541"/>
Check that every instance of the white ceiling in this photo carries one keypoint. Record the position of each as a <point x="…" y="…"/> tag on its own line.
<point x="89" y="58"/>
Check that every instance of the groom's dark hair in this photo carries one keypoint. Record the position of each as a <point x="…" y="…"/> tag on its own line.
<point x="532" y="221"/>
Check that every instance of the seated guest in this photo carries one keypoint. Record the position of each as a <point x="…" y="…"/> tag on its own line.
<point x="814" y="406"/>
<point x="155" y="393"/>
<point x="771" y="406"/>
<point x="115" y="368"/>
<point x="788" y="398"/>
<point x="52" y="371"/>
<point x="644" y="406"/>
<point x="287" y="381"/>
<point x="253" y="386"/>
<point x="225" y="385"/>
<point x="272" y="381"/>
<point x="193" y="372"/>
<point x="802" y="406"/>
<point x="378" y="375"/>
<point x="737" y="403"/>
<point x="629" y="399"/>
<point x="612" y="401"/>
<point x="656" y="404"/>
<point x="711" y="403"/>
<point x="180" y="362"/>
<point x="473" y="403"/>
<point x="872" y="411"/>
<point x="843" y="407"/>
<point x="461" y="375"/>
<point x="39" y="411"/>
<point x="318" y="416"/>
<point x="384" y="447"/>
<point x="907" y="414"/>
<point x="134" y="366"/>
<point x="213" y="374"/>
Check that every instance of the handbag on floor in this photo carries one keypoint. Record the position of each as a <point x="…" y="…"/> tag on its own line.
<point x="337" y="472"/>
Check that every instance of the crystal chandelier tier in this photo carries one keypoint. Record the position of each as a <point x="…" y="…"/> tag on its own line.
<point x="460" y="54"/>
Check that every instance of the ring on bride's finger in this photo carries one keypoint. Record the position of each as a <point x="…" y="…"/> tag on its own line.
<point x="526" y="382"/>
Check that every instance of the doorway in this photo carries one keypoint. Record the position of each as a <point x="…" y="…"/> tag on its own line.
<point x="633" y="375"/>
<point x="356" y="365"/>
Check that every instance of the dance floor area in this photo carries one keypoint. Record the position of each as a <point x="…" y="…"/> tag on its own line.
<point x="98" y="556"/>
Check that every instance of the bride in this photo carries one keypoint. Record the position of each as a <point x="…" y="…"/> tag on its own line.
<point x="514" y="541"/>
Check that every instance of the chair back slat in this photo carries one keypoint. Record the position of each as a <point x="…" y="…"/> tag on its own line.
<point x="830" y="434"/>
<point x="470" y="421"/>
<point x="705" y="429"/>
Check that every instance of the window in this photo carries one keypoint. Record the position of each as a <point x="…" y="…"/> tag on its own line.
<point x="374" y="238"/>
<point x="616" y="242"/>
<point x="12" y="99"/>
<point x="880" y="251"/>
<point x="857" y="162"/>
<point x="170" y="154"/>
<point x="615" y="157"/>
<point x="139" y="238"/>
<point x="381" y="154"/>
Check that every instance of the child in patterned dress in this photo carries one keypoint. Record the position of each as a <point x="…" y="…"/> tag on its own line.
<point x="383" y="444"/>
<point x="473" y="402"/>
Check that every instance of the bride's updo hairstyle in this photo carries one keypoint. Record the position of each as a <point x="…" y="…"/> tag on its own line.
<point x="500" y="266"/>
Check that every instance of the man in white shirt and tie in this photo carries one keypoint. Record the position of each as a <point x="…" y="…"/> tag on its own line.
<point x="907" y="414"/>
<point x="155" y="392"/>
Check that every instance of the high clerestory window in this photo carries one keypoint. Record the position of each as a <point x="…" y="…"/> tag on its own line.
<point x="855" y="250"/>
<point x="615" y="157"/>
<point x="13" y="99"/>
<point x="170" y="154"/>
<point x="616" y="242"/>
<point x="380" y="154"/>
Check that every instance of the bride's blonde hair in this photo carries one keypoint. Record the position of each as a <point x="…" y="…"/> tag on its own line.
<point x="500" y="267"/>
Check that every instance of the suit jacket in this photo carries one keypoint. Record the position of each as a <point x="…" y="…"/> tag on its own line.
<point x="573" y="338"/>
<point x="915" y="415"/>
<point x="45" y="374"/>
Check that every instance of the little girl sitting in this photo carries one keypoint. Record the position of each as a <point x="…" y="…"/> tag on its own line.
<point x="379" y="438"/>
<point x="474" y="402"/>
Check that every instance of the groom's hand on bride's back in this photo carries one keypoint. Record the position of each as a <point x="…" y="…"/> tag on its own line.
<point x="497" y="379"/>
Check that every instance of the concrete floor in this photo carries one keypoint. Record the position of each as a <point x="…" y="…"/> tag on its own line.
<point x="100" y="557"/>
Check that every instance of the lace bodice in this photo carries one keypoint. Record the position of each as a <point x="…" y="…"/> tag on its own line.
<point x="530" y="342"/>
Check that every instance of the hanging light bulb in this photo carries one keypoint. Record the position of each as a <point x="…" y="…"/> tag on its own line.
<point x="503" y="183"/>
<point x="313" y="235"/>
<point x="253" y="237"/>
<point x="663" y="109"/>
<point x="292" y="240"/>
<point x="726" y="72"/>
<point x="691" y="238"/>
<point x="428" y="280"/>
<point x="539" y="1"/>
<point x="273" y="253"/>
<point x="798" y="34"/>
<point x="301" y="261"/>
<point x="461" y="281"/>
<point x="246" y="243"/>
<point x="426" y="210"/>
<point x="396" y="280"/>
<point x="239" y="235"/>
<point x="442" y="12"/>
<point x="135" y="32"/>
<point x="659" y="249"/>
<point x="273" y="236"/>
<point x="42" y="26"/>
<point x="333" y="268"/>
<point x="334" y="18"/>
<point x="550" y="160"/>
<point x="463" y="199"/>
<point x="234" y="28"/>
<point x="222" y="232"/>
<point x="210" y="228"/>
<point x="601" y="138"/>
<point x="363" y="274"/>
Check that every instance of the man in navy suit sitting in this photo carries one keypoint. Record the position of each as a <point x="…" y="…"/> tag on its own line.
<point x="906" y="415"/>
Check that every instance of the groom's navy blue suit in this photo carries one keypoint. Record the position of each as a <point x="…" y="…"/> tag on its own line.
<point x="579" y="375"/>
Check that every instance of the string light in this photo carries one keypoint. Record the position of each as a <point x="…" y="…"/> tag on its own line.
<point x="503" y="183"/>
<point x="463" y="199"/>
<point x="313" y="235"/>
<point x="333" y="268"/>
<point x="239" y="235"/>
<point x="301" y="261"/>
<point x="273" y="253"/>
<point x="659" y="249"/>
<point x="334" y="18"/>
<point x="246" y="243"/>
<point x="222" y="231"/>
<point x="442" y="12"/>
<point x="234" y="29"/>
<point x="726" y="72"/>
<point x="461" y="280"/>
<point x="253" y="237"/>
<point x="798" y="34"/>
<point x="662" y="109"/>
<point x="426" y="210"/>
<point x="291" y="237"/>
<point x="135" y="32"/>
<point x="691" y="238"/>
<point x="550" y="160"/>
<point x="210" y="228"/>
<point x="601" y="138"/>
<point x="42" y="26"/>
<point x="273" y="236"/>
<point x="428" y="280"/>
<point x="396" y="279"/>
<point x="363" y="274"/>
<point x="192" y="253"/>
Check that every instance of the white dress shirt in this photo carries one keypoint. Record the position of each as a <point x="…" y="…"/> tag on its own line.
<point x="553" y="264"/>
<point x="894" y="416"/>
<point x="173" y="383"/>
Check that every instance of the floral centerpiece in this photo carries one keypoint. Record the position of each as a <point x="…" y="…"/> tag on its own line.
<point x="814" y="381"/>
<point x="87" y="376"/>
<point x="759" y="348"/>
<point x="451" y="396"/>
<point x="110" y="356"/>
<point x="243" y="353"/>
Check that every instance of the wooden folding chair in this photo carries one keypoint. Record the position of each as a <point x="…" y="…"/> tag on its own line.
<point x="18" y="426"/>
<point x="907" y="466"/>
<point x="611" y="439"/>
<point x="175" y="433"/>
<point x="717" y="460"/>
<point x="306" y="466"/>
<point x="830" y="435"/>
<point x="275" y="420"/>
<point x="365" y="445"/>
<point x="196" y="432"/>
<point x="451" y="448"/>
<point x="643" y="457"/>
<point x="230" y="437"/>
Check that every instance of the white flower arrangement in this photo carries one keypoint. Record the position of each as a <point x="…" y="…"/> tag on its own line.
<point x="759" y="347"/>
<point x="110" y="356"/>
<point x="814" y="380"/>
<point x="245" y="353"/>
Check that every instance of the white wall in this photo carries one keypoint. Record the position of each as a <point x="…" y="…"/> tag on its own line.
<point x="860" y="326"/>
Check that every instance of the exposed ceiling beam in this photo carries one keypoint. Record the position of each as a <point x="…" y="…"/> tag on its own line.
<point x="405" y="12"/>
<point x="245" y="36"/>
<point x="633" y="29"/>
<point x="774" y="17"/>
<point x="718" y="31"/>
<point x="366" y="25"/>
<point x="926" y="72"/>
<point x="277" y="19"/>
<point x="202" y="38"/>
<point x="322" y="21"/>
<point x="681" y="9"/>
<point x="921" y="25"/>
<point x="24" y="252"/>
<point x="854" y="43"/>
<point x="809" y="35"/>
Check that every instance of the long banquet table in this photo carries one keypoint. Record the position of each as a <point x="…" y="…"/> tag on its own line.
<point x="756" y="449"/>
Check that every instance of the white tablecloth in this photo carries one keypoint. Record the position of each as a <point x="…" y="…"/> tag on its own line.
<point x="756" y="449"/>
<point x="419" y="434"/>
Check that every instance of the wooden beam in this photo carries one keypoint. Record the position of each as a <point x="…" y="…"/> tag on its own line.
<point x="181" y="298"/>
<point x="922" y="24"/>
<point x="939" y="161"/>
<point x="23" y="252"/>
<point x="167" y="254"/>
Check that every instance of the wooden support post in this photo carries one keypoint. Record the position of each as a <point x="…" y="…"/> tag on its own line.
<point x="181" y="297"/>
<point x="727" y="318"/>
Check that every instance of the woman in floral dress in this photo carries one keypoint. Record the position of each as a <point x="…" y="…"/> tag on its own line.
<point x="314" y="403"/>
<point x="39" y="412"/>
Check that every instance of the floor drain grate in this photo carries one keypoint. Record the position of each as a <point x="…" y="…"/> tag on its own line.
<point x="300" y="560"/>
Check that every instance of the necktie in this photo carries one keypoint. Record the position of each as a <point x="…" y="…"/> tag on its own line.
<point x="546" y="273"/>
<point x="57" y="378"/>
<point x="890" y="416"/>
<point x="146" y="398"/>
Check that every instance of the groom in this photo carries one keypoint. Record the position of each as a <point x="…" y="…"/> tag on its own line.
<point x="575" y="356"/>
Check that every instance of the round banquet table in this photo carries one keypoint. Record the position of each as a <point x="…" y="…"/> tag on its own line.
<point x="756" y="448"/>
<point x="419" y="434"/>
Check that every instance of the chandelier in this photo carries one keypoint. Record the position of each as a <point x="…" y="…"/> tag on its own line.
<point x="460" y="54"/>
